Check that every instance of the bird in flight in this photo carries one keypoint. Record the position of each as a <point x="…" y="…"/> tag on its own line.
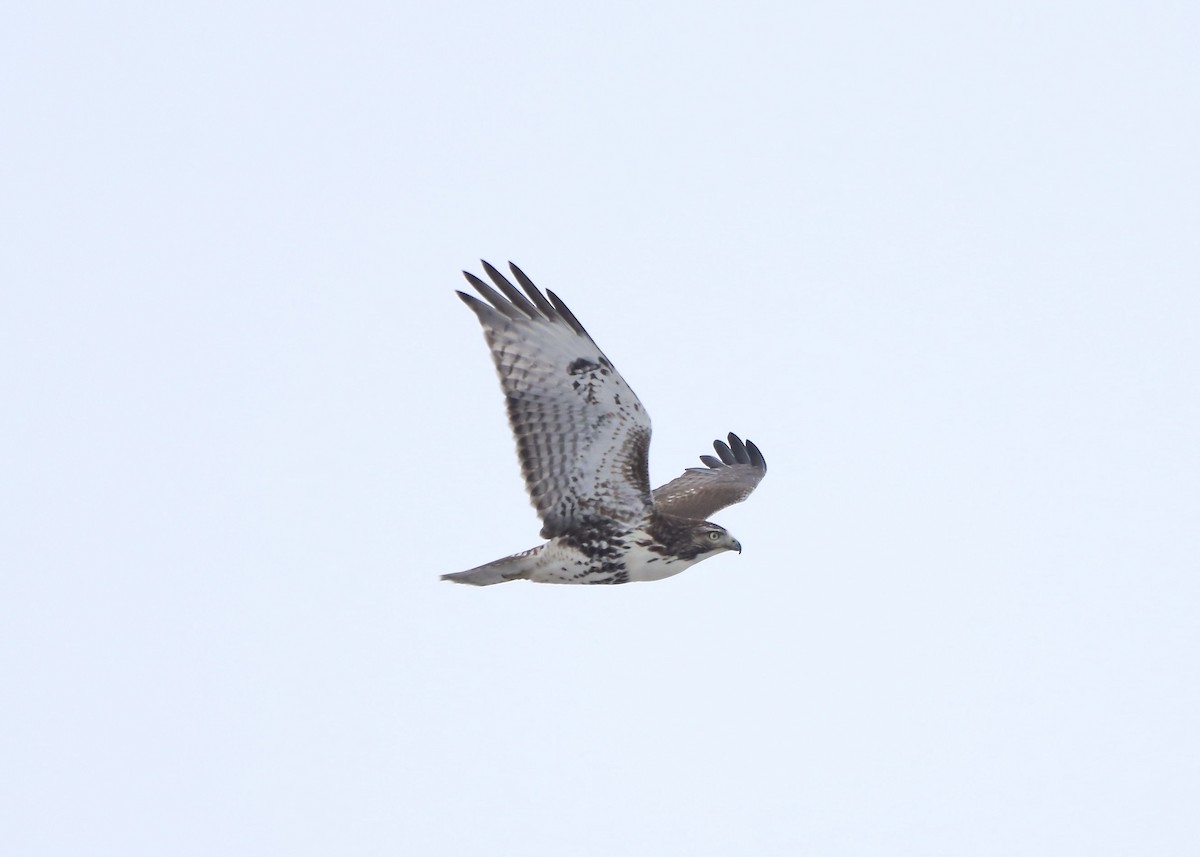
<point x="583" y="438"/>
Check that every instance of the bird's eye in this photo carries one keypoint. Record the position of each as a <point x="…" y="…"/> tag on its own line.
<point x="714" y="535"/>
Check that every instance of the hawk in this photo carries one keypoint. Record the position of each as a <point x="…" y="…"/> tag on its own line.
<point x="583" y="438"/>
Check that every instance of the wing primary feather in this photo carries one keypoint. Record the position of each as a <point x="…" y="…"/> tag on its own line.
<point x="485" y="313"/>
<point x="582" y="453"/>
<point x="494" y="299"/>
<point x="510" y="291"/>
<point x="737" y="452"/>
<point x="756" y="457"/>
<point x="566" y="313"/>
<point x="534" y="293"/>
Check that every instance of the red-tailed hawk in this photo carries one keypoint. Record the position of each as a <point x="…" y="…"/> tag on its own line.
<point x="583" y="439"/>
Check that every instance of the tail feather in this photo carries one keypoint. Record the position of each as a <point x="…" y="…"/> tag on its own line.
<point x="516" y="567"/>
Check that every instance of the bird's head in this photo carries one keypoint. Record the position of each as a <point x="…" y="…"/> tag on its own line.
<point x="713" y="538"/>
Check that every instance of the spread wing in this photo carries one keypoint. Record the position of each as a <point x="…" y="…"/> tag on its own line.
<point x="700" y="491"/>
<point x="582" y="435"/>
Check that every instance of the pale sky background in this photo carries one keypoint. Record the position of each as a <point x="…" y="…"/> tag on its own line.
<point x="938" y="260"/>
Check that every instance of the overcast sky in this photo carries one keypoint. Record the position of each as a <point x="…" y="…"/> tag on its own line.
<point x="938" y="260"/>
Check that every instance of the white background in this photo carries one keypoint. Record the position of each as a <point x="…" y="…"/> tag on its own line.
<point x="939" y="260"/>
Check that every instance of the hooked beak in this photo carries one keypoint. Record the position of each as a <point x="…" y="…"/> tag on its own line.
<point x="737" y="546"/>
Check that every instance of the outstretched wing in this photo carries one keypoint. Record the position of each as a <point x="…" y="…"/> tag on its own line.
<point x="582" y="435"/>
<point x="700" y="491"/>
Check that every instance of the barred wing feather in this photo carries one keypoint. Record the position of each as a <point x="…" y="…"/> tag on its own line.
<point x="582" y="435"/>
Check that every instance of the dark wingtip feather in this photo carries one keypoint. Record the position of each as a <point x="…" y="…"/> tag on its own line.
<point x="479" y="285"/>
<point x="510" y="291"/>
<point x="489" y="294"/>
<point x="742" y="452"/>
<point x="712" y="461"/>
<point x="534" y="293"/>
<point x="566" y="313"/>
<point x="470" y="300"/>
<point x="483" y="312"/>
<point x="724" y="451"/>
<point x="756" y="457"/>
